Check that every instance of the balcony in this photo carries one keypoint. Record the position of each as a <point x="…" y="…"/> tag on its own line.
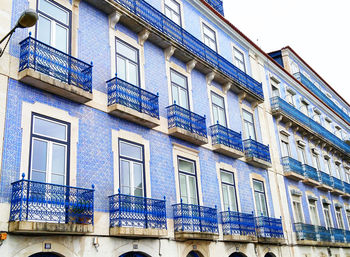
<point x="44" y="208"/>
<point x="292" y="168"/>
<point x="269" y="230"/>
<point x="139" y="15"/>
<point x="217" y="5"/>
<point x="311" y="175"/>
<point x="338" y="186"/>
<point x="49" y="69"/>
<point x="238" y="227"/>
<point x="346" y="190"/>
<point x="132" y="216"/>
<point x="289" y="113"/>
<point x="303" y="79"/>
<point x="195" y="222"/>
<point x="326" y="181"/>
<point x="226" y="141"/>
<point x="338" y="235"/>
<point x="186" y="125"/>
<point x="132" y="103"/>
<point x="257" y="154"/>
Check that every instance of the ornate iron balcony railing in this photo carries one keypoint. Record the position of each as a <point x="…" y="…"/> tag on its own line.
<point x="338" y="184"/>
<point x="310" y="172"/>
<point x="325" y="179"/>
<point x="237" y="223"/>
<point x="226" y="136"/>
<point x="179" y="117"/>
<point x="338" y="235"/>
<point x="346" y="187"/>
<point x="305" y="231"/>
<point x="139" y="212"/>
<point x="292" y="165"/>
<point x="166" y="26"/>
<point x="323" y="234"/>
<point x="44" y="202"/>
<point x="279" y="105"/>
<point x="124" y="93"/>
<point x="347" y="236"/>
<point x="217" y="5"/>
<point x="255" y="149"/>
<point x="303" y="79"/>
<point x="318" y="233"/>
<point x="195" y="218"/>
<point x="43" y="58"/>
<point x="267" y="227"/>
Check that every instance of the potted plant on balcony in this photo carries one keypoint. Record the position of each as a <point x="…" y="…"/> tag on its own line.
<point x="79" y="212"/>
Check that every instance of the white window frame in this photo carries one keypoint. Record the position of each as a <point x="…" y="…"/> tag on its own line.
<point x="329" y="213"/>
<point x="290" y="94"/>
<point x="165" y="6"/>
<point x="214" y="105"/>
<point x="284" y="139"/>
<point x="297" y="199"/>
<point x="237" y="60"/>
<point x="316" y="211"/>
<point x="204" y="36"/>
<point x="246" y="136"/>
<point x="187" y="175"/>
<point x="338" y="211"/>
<point x="234" y="190"/>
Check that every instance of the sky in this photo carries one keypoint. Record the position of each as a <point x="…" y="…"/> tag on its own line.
<point x="318" y="30"/>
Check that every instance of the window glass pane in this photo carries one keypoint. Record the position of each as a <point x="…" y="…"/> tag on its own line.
<point x="125" y="176"/>
<point x="218" y="100"/>
<point x="53" y="11"/>
<point x="227" y="177"/>
<point x="130" y="150"/>
<point x="175" y="93"/>
<point x="121" y="68"/>
<point x="127" y="51"/>
<point x="251" y="131"/>
<point x="258" y="204"/>
<point x="38" y="176"/>
<point x="183" y="188"/>
<point x="44" y="30"/>
<point x="209" y="32"/>
<point x="49" y="128"/>
<point x="193" y="189"/>
<point x="133" y="74"/>
<point x="61" y="38"/>
<point x="183" y="101"/>
<point x="263" y="204"/>
<point x="58" y="159"/>
<point x="232" y="195"/>
<point x="172" y="5"/>
<point x="248" y="116"/>
<point x="178" y="79"/>
<point x="138" y="179"/>
<point x="39" y="158"/>
<point x="225" y="196"/>
<point x="222" y="117"/>
<point x="57" y="179"/>
<point x="258" y="186"/>
<point x="186" y="166"/>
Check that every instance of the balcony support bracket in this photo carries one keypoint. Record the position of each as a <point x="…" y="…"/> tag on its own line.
<point x="242" y="96"/>
<point x="114" y="19"/>
<point x="226" y="87"/>
<point x="143" y="36"/>
<point x="169" y="51"/>
<point x="191" y="65"/>
<point x="210" y="77"/>
<point x="289" y="125"/>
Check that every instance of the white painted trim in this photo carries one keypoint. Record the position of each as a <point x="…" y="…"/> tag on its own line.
<point x="217" y="91"/>
<point x="262" y="179"/>
<point x="234" y="45"/>
<point x="300" y="201"/>
<point x="202" y="21"/>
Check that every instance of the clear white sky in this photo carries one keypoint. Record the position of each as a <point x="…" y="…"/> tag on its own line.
<point x="318" y="30"/>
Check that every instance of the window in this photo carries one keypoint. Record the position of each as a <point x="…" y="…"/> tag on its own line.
<point x="209" y="37"/>
<point x="172" y="11"/>
<point x="127" y="63"/>
<point x="317" y="116"/>
<point x="219" y="114"/>
<point x="290" y="97"/>
<point x="347" y="175"/>
<point x="327" y="164"/>
<point x="49" y="150"/>
<point x="238" y="59"/>
<point x="228" y="190"/>
<point x="338" y="132"/>
<point x="275" y="90"/>
<point x="348" y="217"/>
<point x="131" y="167"/>
<point x="316" y="161"/>
<point x="179" y="89"/>
<point x="339" y="217"/>
<point x="295" y="68"/>
<point x="285" y="145"/>
<point x="53" y="25"/>
<point x="327" y="215"/>
<point x="338" y="171"/>
<point x="304" y="108"/>
<point x="313" y="212"/>
<point x="328" y="124"/>
<point x="260" y="199"/>
<point x="298" y="213"/>
<point x="188" y="181"/>
<point x="301" y="154"/>
<point x="248" y="123"/>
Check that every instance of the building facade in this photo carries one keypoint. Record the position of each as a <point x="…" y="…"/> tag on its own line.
<point x="156" y="128"/>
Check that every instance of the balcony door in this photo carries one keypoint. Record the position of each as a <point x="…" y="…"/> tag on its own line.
<point x="53" y="27"/>
<point x="127" y="62"/>
<point x="188" y="181"/>
<point x="179" y="89"/>
<point x="260" y="198"/>
<point x="49" y="150"/>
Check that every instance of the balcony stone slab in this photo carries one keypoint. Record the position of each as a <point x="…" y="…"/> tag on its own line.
<point x="256" y="162"/>
<point x="49" y="228"/>
<point x="240" y="238"/>
<point x="187" y="136"/>
<point x="228" y="151"/>
<point x="53" y="85"/>
<point x="183" y="236"/>
<point x="324" y="187"/>
<point x="311" y="182"/>
<point x="138" y="232"/>
<point x="132" y="115"/>
<point x="293" y="175"/>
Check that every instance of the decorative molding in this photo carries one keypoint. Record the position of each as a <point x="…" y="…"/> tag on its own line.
<point x="295" y="192"/>
<point x="190" y="65"/>
<point x="312" y="198"/>
<point x="114" y="18"/>
<point x="169" y="51"/>
<point x="289" y="125"/>
<point x="226" y="87"/>
<point x="210" y="77"/>
<point x="143" y="36"/>
<point x="242" y="96"/>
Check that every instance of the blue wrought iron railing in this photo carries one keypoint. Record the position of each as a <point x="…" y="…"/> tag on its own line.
<point x="323" y="234"/>
<point x="44" y="202"/>
<point x="310" y="172"/>
<point x="195" y="218"/>
<point x="292" y="165"/>
<point x="237" y="223"/>
<point x="255" y="149"/>
<point x="338" y="235"/>
<point x="139" y="212"/>
<point x="217" y="5"/>
<point x="347" y="236"/>
<point x="179" y="117"/>
<point x="267" y="227"/>
<point x="41" y="57"/>
<point x="166" y="26"/>
<point x="325" y="179"/>
<point x="346" y="187"/>
<point x="305" y="231"/>
<point x="227" y="137"/>
<point x="338" y="184"/>
<point x="303" y="79"/>
<point x="279" y="105"/>
<point x="124" y="93"/>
